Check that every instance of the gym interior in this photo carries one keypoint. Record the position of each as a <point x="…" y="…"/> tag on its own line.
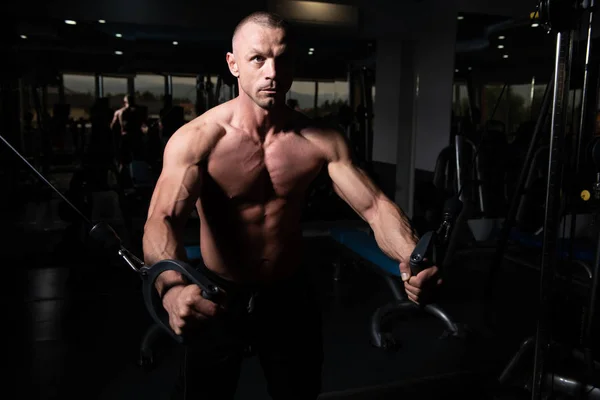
<point x="491" y="105"/>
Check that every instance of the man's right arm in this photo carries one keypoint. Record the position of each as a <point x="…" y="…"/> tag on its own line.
<point x="176" y="192"/>
<point x="115" y="119"/>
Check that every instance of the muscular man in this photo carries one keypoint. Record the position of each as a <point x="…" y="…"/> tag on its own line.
<point x="245" y="166"/>
<point x="130" y="128"/>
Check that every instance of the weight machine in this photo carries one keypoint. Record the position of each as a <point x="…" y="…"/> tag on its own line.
<point x="559" y="17"/>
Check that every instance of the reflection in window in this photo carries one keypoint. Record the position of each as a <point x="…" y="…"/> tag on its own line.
<point x="537" y="97"/>
<point x="79" y="94"/>
<point x="115" y="89"/>
<point x="302" y="96"/>
<point x="225" y="92"/>
<point x="184" y="95"/>
<point x="331" y="96"/>
<point x="150" y="93"/>
<point x="495" y="108"/>
<point x="519" y="106"/>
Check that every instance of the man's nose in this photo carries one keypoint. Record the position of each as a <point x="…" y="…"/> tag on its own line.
<point x="270" y="69"/>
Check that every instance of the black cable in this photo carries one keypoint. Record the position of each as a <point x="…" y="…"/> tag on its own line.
<point x="46" y="181"/>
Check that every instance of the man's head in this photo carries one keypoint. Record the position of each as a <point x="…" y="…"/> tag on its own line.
<point x="128" y="100"/>
<point x="262" y="58"/>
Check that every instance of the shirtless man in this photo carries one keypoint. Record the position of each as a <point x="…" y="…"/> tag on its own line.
<point x="245" y="166"/>
<point x="130" y="126"/>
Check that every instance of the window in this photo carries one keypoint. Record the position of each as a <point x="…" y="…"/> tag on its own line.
<point x="302" y="94"/>
<point x="184" y="95"/>
<point x="537" y="97"/>
<point x="52" y="98"/>
<point x="460" y="101"/>
<point x="79" y="94"/>
<point x="114" y="90"/>
<point x="150" y="93"/>
<point x="331" y="96"/>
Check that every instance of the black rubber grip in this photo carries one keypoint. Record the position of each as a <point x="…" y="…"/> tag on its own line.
<point x="153" y="301"/>
<point x="424" y="255"/>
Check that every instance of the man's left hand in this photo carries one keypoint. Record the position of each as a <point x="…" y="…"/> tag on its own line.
<point x="421" y="287"/>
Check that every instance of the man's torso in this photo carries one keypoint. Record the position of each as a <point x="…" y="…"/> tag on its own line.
<point x="251" y="202"/>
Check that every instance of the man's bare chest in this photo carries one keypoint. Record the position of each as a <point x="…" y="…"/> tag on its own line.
<point x="252" y="171"/>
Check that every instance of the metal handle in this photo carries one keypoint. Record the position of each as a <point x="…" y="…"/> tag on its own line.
<point x="154" y="303"/>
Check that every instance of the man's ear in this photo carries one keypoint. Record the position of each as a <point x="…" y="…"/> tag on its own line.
<point x="232" y="64"/>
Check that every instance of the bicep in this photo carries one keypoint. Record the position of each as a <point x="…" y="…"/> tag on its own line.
<point x="351" y="183"/>
<point x="176" y="193"/>
<point x="178" y="186"/>
<point x="354" y="186"/>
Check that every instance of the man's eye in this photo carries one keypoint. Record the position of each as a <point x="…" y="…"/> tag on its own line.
<point x="258" y="58"/>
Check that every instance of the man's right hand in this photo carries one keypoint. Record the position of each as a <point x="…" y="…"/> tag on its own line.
<point x="188" y="309"/>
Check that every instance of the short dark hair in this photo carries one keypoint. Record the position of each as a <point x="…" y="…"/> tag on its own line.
<point x="130" y="99"/>
<point x="264" y="18"/>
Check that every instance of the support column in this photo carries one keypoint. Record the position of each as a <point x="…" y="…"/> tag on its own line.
<point x="405" y="153"/>
<point x="99" y="86"/>
<point x="168" y="102"/>
<point x="61" y="90"/>
<point x="131" y="86"/>
<point x="393" y="141"/>
<point x="435" y="76"/>
<point x="200" y="95"/>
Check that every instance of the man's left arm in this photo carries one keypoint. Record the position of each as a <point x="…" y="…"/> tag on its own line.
<point x="391" y="227"/>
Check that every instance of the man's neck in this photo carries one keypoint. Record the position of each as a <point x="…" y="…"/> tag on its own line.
<point x="259" y="120"/>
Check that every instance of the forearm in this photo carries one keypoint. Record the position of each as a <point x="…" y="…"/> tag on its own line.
<point x="162" y="241"/>
<point x="393" y="230"/>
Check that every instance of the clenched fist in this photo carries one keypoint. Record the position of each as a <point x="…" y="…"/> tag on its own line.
<point x="422" y="287"/>
<point x="187" y="308"/>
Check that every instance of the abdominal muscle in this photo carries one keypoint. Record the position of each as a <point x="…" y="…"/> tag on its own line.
<point x="255" y="244"/>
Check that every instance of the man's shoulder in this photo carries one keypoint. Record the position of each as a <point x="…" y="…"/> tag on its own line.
<point x="325" y="136"/>
<point x="199" y="136"/>
<point x="210" y="124"/>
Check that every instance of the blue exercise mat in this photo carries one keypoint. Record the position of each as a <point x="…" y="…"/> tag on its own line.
<point x="365" y="246"/>
<point x="581" y="250"/>
<point x="193" y="253"/>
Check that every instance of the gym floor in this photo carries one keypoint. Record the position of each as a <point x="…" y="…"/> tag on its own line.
<point x="86" y="317"/>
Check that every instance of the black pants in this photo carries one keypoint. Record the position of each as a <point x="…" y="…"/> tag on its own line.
<point x="280" y="324"/>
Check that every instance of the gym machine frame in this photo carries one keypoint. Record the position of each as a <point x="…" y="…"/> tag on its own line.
<point x="560" y="16"/>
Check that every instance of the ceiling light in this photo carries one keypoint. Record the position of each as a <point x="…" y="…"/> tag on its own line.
<point x="23" y="37"/>
<point x="311" y="49"/>
<point x="456" y="70"/>
<point x="70" y="22"/>
<point x="505" y="56"/>
<point x="101" y="21"/>
<point x="535" y="25"/>
<point x="118" y="35"/>
<point x="500" y="46"/>
<point x="460" y="17"/>
<point x="310" y="53"/>
<point x="175" y="43"/>
<point x="501" y="38"/>
<point x="118" y="52"/>
<point x="470" y="68"/>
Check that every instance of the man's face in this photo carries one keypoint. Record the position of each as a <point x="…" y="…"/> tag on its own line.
<point x="263" y="62"/>
<point x="125" y="102"/>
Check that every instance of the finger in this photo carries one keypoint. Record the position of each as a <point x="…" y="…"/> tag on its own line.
<point x="405" y="271"/>
<point x="175" y="324"/>
<point x="203" y="308"/>
<point x="412" y="290"/>
<point x="413" y="298"/>
<point x="424" y="276"/>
